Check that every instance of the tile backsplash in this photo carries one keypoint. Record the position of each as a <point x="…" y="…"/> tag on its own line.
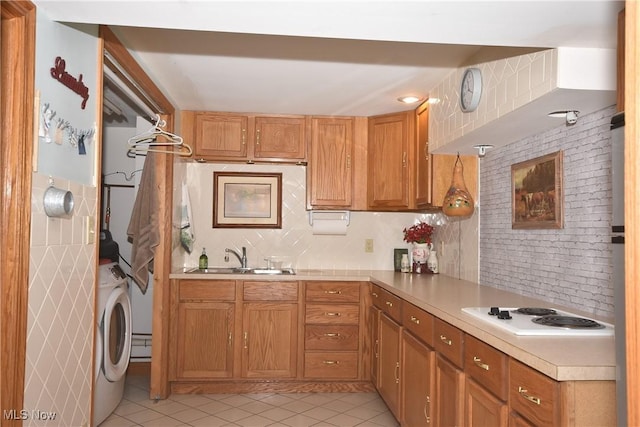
<point x="296" y="240"/>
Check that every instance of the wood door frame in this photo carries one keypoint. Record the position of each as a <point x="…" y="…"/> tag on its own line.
<point x="17" y="71"/>
<point x="159" y="385"/>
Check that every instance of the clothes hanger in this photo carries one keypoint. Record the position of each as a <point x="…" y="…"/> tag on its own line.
<point x="184" y="150"/>
<point x="139" y="144"/>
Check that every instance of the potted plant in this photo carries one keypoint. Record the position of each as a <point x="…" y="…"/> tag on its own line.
<point x="419" y="235"/>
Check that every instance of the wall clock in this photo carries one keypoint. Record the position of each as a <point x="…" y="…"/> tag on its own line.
<point x="470" y="89"/>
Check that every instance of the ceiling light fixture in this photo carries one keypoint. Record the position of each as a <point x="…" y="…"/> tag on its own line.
<point x="409" y="99"/>
<point x="571" y="116"/>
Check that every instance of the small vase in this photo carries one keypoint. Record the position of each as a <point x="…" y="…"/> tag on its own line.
<point x="419" y="256"/>
<point x="458" y="201"/>
<point x="432" y="262"/>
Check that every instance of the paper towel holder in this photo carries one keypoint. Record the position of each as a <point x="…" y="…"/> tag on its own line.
<point x="335" y="215"/>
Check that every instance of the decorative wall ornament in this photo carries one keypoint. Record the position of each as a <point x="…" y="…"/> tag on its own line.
<point x="60" y="130"/>
<point x="458" y="202"/>
<point x="58" y="72"/>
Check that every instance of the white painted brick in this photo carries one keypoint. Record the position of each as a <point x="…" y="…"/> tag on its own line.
<point x="570" y="266"/>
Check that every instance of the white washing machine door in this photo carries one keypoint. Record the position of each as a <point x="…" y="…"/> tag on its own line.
<point x="116" y="334"/>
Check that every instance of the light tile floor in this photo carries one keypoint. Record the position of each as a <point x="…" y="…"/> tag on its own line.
<point x="248" y="410"/>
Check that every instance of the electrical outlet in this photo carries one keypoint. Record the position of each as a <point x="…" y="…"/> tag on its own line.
<point x="368" y="245"/>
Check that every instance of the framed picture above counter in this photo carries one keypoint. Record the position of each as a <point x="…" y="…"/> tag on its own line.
<point x="247" y="200"/>
<point x="537" y="192"/>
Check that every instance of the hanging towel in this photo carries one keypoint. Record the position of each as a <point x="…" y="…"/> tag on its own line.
<point x="143" y="230"/>
<point x="186" y="228"/>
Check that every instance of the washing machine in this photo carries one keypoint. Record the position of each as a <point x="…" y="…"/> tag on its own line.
<point x="113" y="340"/>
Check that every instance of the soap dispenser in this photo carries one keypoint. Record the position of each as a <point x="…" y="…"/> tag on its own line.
<point x="203" y="262"/>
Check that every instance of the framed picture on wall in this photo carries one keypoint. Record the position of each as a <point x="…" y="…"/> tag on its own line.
<point x="537" y="193"/>
<point x="247" y="200"/>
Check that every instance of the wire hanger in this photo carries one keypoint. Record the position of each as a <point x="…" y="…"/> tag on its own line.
<point x="157" y="137"/>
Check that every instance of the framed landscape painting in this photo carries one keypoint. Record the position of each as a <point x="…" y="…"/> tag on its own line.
<point x="536" y="190"/>
<point x="247" y="200"/>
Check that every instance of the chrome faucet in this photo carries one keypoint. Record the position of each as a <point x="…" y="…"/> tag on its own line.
<point x="242" y="259"/>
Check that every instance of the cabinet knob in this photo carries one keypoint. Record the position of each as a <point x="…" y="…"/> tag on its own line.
<point x="329" y="313"/>
<point x="331" y="362"/>
<point x="373" y="294"/>
<point x="333" y="292"/>
<point x="415" y="320"/>
<point x="389" y="303"/>
<point x="332" y="335"/>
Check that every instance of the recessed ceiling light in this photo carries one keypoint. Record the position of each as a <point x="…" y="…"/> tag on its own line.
<point x="410" y="99"/>
<point x="571" y="116"/>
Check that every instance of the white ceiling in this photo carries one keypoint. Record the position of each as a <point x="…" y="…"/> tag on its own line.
<point x="328" y="57"/>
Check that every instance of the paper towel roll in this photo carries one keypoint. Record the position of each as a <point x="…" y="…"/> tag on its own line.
<point x="329" y="226"/>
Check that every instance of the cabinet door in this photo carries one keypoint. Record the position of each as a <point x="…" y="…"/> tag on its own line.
<point x="279" y="138"/>
<point x="423" y="158"/>
<point x="270" y="337"/>
<point x="417" y="381"/>
<point x="389" y="363"/>
<point x="449" y="403"/>
<point x="482" y="408"/>
<point x="221" y="136"/>
<point x="388" y="161"/>
<point x="204" y="340"/>
<point x="329" y="173"/>
<point x="374" y="329"/>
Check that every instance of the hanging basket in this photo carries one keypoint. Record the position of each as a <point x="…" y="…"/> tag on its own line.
<point x="458" y="202"/>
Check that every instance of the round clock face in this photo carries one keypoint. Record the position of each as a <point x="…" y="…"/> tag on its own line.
<point x="470" y="89"/>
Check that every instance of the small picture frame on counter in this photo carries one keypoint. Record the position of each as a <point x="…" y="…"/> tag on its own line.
<point x="397" y="257"/>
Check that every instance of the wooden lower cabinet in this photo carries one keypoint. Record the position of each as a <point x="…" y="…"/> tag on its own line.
<point x="482" y="408"/>
<point x="417" y="364"/>
<point x="374" y="331"/>
<point x="269" y="340"/>
<point x="389" y="363"/>
<point x="449" y="405"/>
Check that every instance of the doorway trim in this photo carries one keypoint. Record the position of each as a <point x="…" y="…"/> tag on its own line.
<point x="16" y="152"/>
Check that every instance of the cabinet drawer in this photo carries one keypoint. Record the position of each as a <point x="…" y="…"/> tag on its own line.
<point x="270" y="291"/>
<point x="323" y="337"/>
<point x="487" y="366"/>
<point x="387" y="302"/>
<point x="207" y="290"/>
<point x="333" y="291"/>
<point x="345" y="314"/>
<point x="533" y="395"/>
<point x="331" y="365"/>
<point x="418" y="321"/>
<point x="448" y="341"/>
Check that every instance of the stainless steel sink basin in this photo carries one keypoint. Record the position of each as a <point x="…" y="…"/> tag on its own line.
<point x="240" y="270"/>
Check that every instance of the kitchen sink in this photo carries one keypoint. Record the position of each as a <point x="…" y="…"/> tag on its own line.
<point x="240" y="270"/>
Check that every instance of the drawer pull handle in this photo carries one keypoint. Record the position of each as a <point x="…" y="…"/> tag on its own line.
<point x="480" y="364"/>
<point x="244" y="136"/>
<point x="373" y="294"/>
<point x="523" y="392"/>
<point x="445" y="340"/>
<point x="427" y="409"/>
<point x="258" y="137"/>
<point x="389" y="303"/>
<point x="331" y="314"/>
<point x="332" y="335"/>
<point x="246" y="339"/>
<point x="331" y="362"/>
<point x="415" y="320"/>
<point x="230" y="339"/>
<point x="376" y="348"/>
<point x="396" y="373"/>
<point x="333" y="292"/>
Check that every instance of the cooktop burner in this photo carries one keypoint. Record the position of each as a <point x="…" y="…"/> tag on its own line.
<point x="536" y="311"/>
<point x="540" y="321"/>
<point x="567" y="322"/>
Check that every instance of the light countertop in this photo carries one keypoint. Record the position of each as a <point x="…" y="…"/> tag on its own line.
<point x="559" y="357"/>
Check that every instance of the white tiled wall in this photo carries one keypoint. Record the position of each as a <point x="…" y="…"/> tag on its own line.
<point x="570" y="266"/>
<point x="295" y="239"/>
<point x="507" y="84"/>
<point x="61" y="304"/>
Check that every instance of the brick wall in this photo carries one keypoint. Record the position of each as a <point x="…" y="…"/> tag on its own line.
<point x="570" y="266"/>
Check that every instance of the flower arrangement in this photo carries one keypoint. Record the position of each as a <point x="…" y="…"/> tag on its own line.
<point x="418" y="233"/>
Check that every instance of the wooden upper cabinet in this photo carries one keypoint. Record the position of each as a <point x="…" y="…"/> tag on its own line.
<point x="330" y="172"/>
<point x="280" y="138"/>
<point x="389" y="161"/>
<point x="245" y="137"/>
<point x="220" y="136"/>
<point x="423" y="158"/>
